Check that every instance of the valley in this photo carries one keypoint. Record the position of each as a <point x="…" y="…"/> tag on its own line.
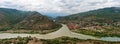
<point x="100" y="26"/>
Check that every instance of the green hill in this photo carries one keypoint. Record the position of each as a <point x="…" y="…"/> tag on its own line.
<point x="106" y="20"/>
<point x="37" y="21"/>
<point x="14" y="19"/>
<point x="12" y="16"/>
<point x="105" y="15"/>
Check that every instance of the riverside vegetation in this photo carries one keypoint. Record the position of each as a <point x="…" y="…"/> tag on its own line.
<point x="61" y="40"/>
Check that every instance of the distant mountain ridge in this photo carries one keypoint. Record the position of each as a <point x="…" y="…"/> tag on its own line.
<point x="109" y="16"/>
<point x="101" y="22"/>
<point x="16" y="19"/>
<point x="12" y="15"/>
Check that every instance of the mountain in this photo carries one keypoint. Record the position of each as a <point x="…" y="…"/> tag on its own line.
<point x="101" y="23"/>
<point x="14" y="19"/>
<point x="12" y="16"/>
<point x="101" y="17"/>
<point x="36" y="21"/>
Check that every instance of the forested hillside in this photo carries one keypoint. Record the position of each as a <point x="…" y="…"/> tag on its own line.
<point x="106" y="20"/>
<point x="16" y="19"/>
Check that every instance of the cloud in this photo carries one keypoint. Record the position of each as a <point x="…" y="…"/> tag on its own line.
<point x="58" y="6"/>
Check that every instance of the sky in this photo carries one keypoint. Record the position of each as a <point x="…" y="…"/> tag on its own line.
<point x="58" y="7"/>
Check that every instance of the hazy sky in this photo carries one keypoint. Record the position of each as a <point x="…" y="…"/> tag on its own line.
<point x="58" y="7"/>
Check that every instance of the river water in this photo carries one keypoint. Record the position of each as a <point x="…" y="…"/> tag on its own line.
<point x="63" y="31"/>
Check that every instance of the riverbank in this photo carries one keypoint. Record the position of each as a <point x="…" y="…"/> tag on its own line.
<point x="31" y="31"/>
<point x="96" y="34"/>
<point x="60" y="40"/>
<point x="63" y="31"/>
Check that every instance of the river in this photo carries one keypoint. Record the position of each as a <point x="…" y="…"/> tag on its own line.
<point x="63" y="31"/>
